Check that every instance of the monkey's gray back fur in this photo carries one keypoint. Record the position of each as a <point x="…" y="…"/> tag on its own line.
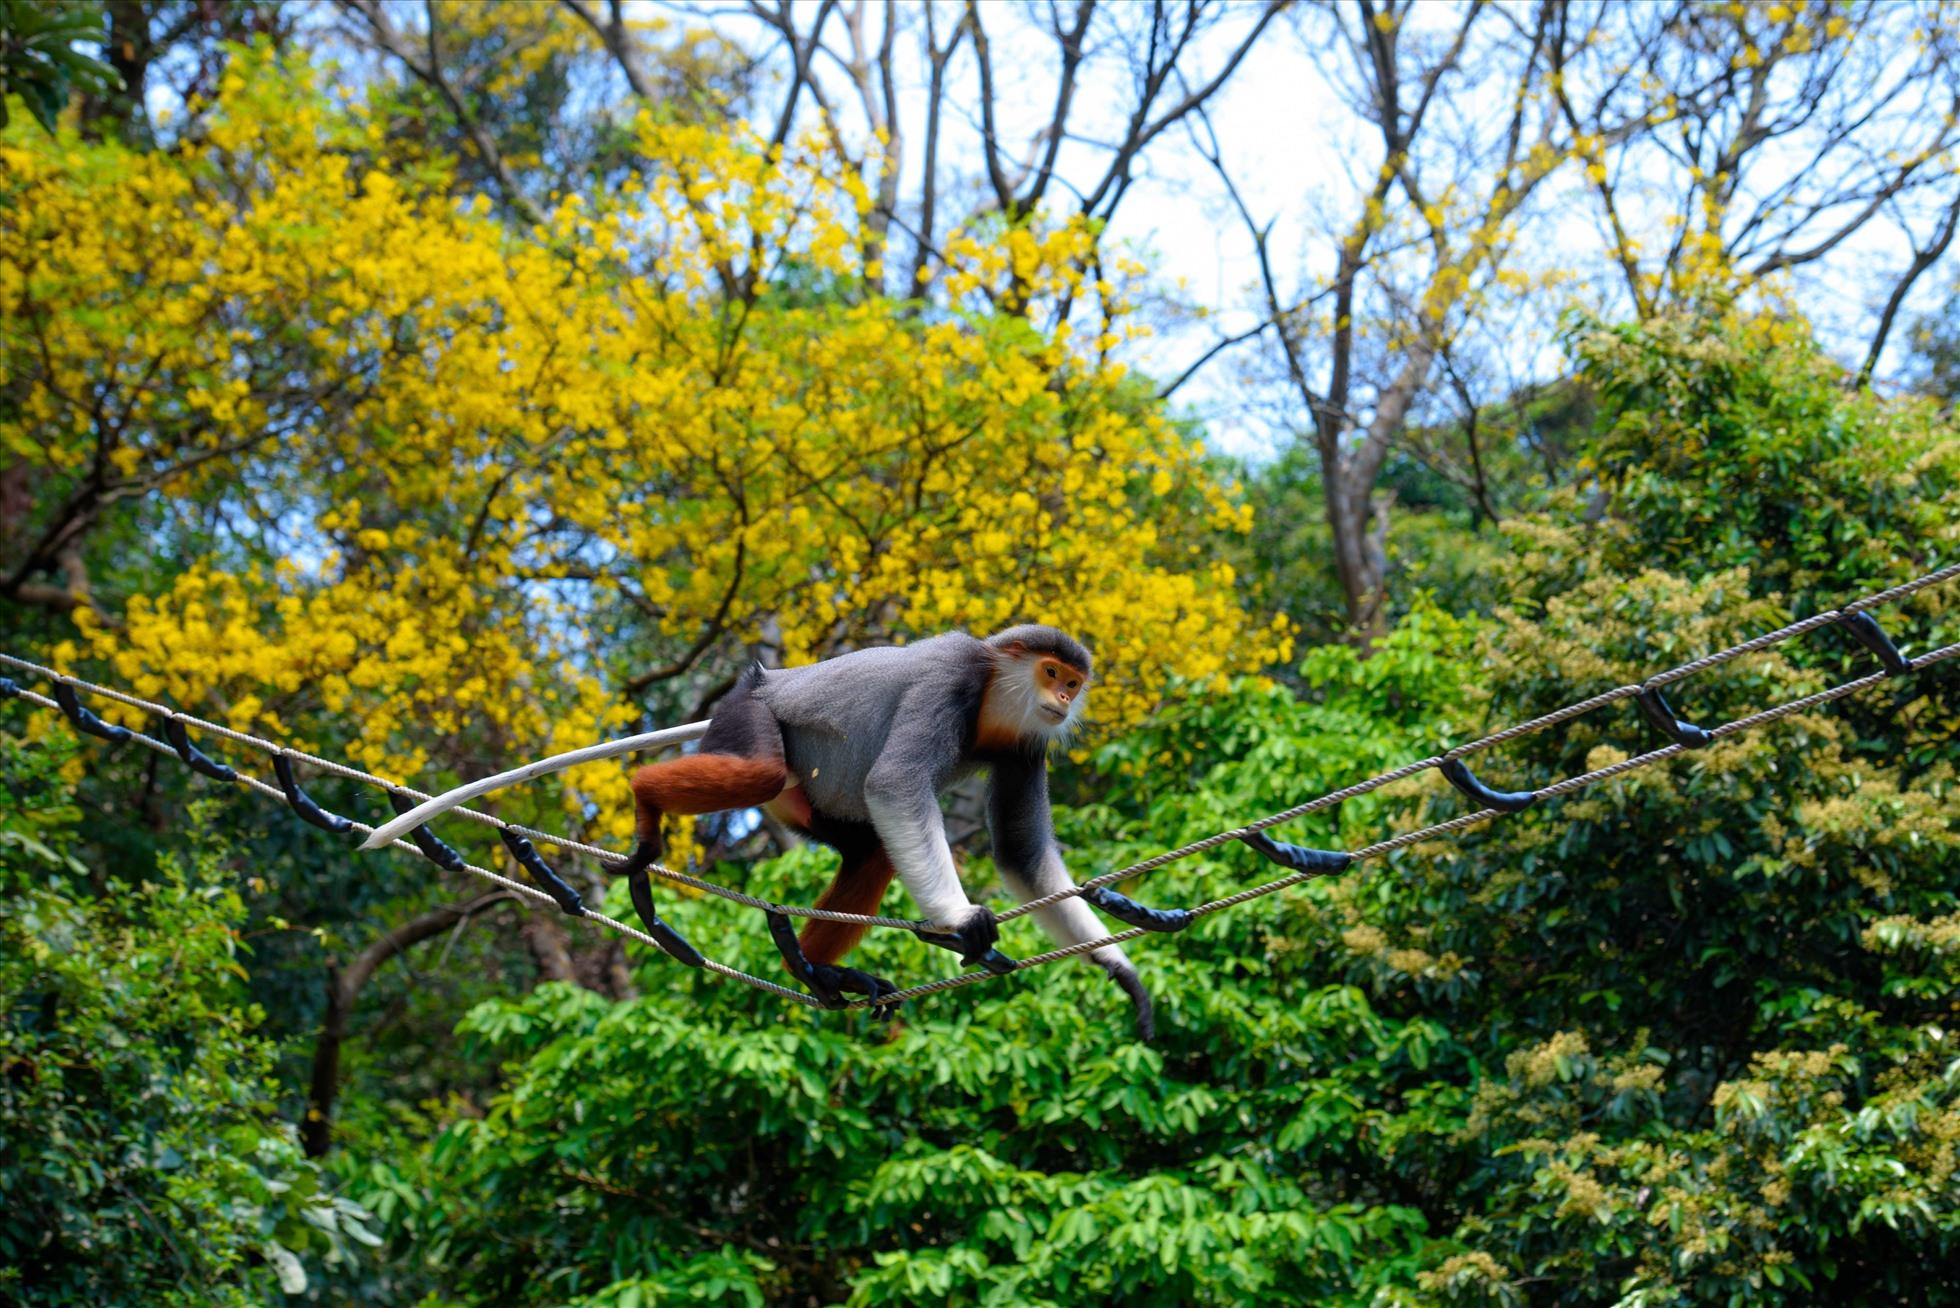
<point x="837" y="715"/>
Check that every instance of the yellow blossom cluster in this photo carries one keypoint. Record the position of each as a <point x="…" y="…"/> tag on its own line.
<point x="439" y="489"/>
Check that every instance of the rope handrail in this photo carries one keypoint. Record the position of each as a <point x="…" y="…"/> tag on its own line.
<point x="1537" y="724"/>
<point x="521" y="888"/>
<point x="335" y="768"/>
<point x="1850" y="614"/>
<point x="1455" y="824"/>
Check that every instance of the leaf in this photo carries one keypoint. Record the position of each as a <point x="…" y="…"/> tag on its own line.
<point x="286" y="1265"/>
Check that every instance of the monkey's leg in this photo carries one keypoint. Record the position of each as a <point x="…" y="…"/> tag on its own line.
<point x="827" y="981"/>
<point x="859" y="887"/>
<point x="698" y="783"/>
<point x="1069" y="922"/>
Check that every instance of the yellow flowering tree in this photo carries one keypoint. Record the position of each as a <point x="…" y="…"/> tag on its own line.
<point x="431" y="489"/>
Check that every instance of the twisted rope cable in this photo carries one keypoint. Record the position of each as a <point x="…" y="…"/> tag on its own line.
<point x="1453" y="825"/>
<point x="518" y="887"/>
<point x="1378" y="849"/>
<point x="604" y="856"/>
<point x="1537" y="724"/>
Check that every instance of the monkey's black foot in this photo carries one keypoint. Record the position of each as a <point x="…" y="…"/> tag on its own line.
<point x="644" y="855"/>
<point x="827" y="981"/>
<point x="1128" y="911"/>
<point x="1298" y="857"/>
<point x="641" y="889"/>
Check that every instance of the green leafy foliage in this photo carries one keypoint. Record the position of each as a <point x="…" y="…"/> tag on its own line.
<point x="38" y="59"/>
<point x="140" y="1156"/>
<point x="1684" y="1038"/>
<point x="1743" y="448"/>
<point x="1728" y="1070"/>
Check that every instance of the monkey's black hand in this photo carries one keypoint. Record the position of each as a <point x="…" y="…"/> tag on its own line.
<point x="977" y="932"/>
<point x="973" y="940"/>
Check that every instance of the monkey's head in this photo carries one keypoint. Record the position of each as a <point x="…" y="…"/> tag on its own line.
<point x="1041" y="678"/>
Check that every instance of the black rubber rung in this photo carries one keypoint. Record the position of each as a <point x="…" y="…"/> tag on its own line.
<point x="1458" y="773"/>
<point x="1864" y="627"/>
<point x="84" y="720"/>
<point x="442" y="855"/>
<point x="1653" y="706"/>
<point x="302" y="803"/>
<point x="664" y="935"/>
<point x="1298" y="857"/>
<point x="554" y="885"/>
<point x="194" y="758"/>
<point x="1130" y="913"/>
<point x="994" y="961"/>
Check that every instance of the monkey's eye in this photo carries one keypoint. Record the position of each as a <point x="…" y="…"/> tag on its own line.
<point x="1050" y="670"/>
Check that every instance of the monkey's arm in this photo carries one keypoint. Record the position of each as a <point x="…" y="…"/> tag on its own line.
<point x="899" y="795"/>
<point x="1025" y="848"/>
<point x="1031" y="865"/>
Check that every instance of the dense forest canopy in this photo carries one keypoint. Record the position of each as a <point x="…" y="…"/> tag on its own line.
<point x="437" y="385"/>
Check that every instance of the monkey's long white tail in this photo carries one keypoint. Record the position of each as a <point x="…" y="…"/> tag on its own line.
<point x="398" y="827"/>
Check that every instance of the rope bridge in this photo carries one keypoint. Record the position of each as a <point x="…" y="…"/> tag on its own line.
<point x="1855" y="617"/>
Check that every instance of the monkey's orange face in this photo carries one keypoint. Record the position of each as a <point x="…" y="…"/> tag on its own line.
<point x="1032" y="698"/>
<point x="1058" y="689"/>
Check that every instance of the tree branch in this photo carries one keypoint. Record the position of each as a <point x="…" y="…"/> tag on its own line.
<point x="1921" y="261"/>
<point x="344" y="987"/>
<point x="431" y="73"/>
<point x="612" y="35"/>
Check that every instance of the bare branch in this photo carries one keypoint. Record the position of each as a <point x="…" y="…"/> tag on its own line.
<point x="1218" y="347"/>
<point x="1071" y="44"/>
<point x="1922" y="259"/>
<point x="989" y="137"/>
<point x="429" y="71"/>
<point x="344" y="986"/>
<point x="929" y="173"/>
<point x="1142" y="130"/>
<point x="612" y="35"/>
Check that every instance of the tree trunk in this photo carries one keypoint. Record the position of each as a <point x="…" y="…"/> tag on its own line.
<point x="550" y="948"/>
<point x="316" y="1131"/>
<point x="618" y="971"/>
<point x="344" y="987"/>
<point x="1357" y="512"/>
